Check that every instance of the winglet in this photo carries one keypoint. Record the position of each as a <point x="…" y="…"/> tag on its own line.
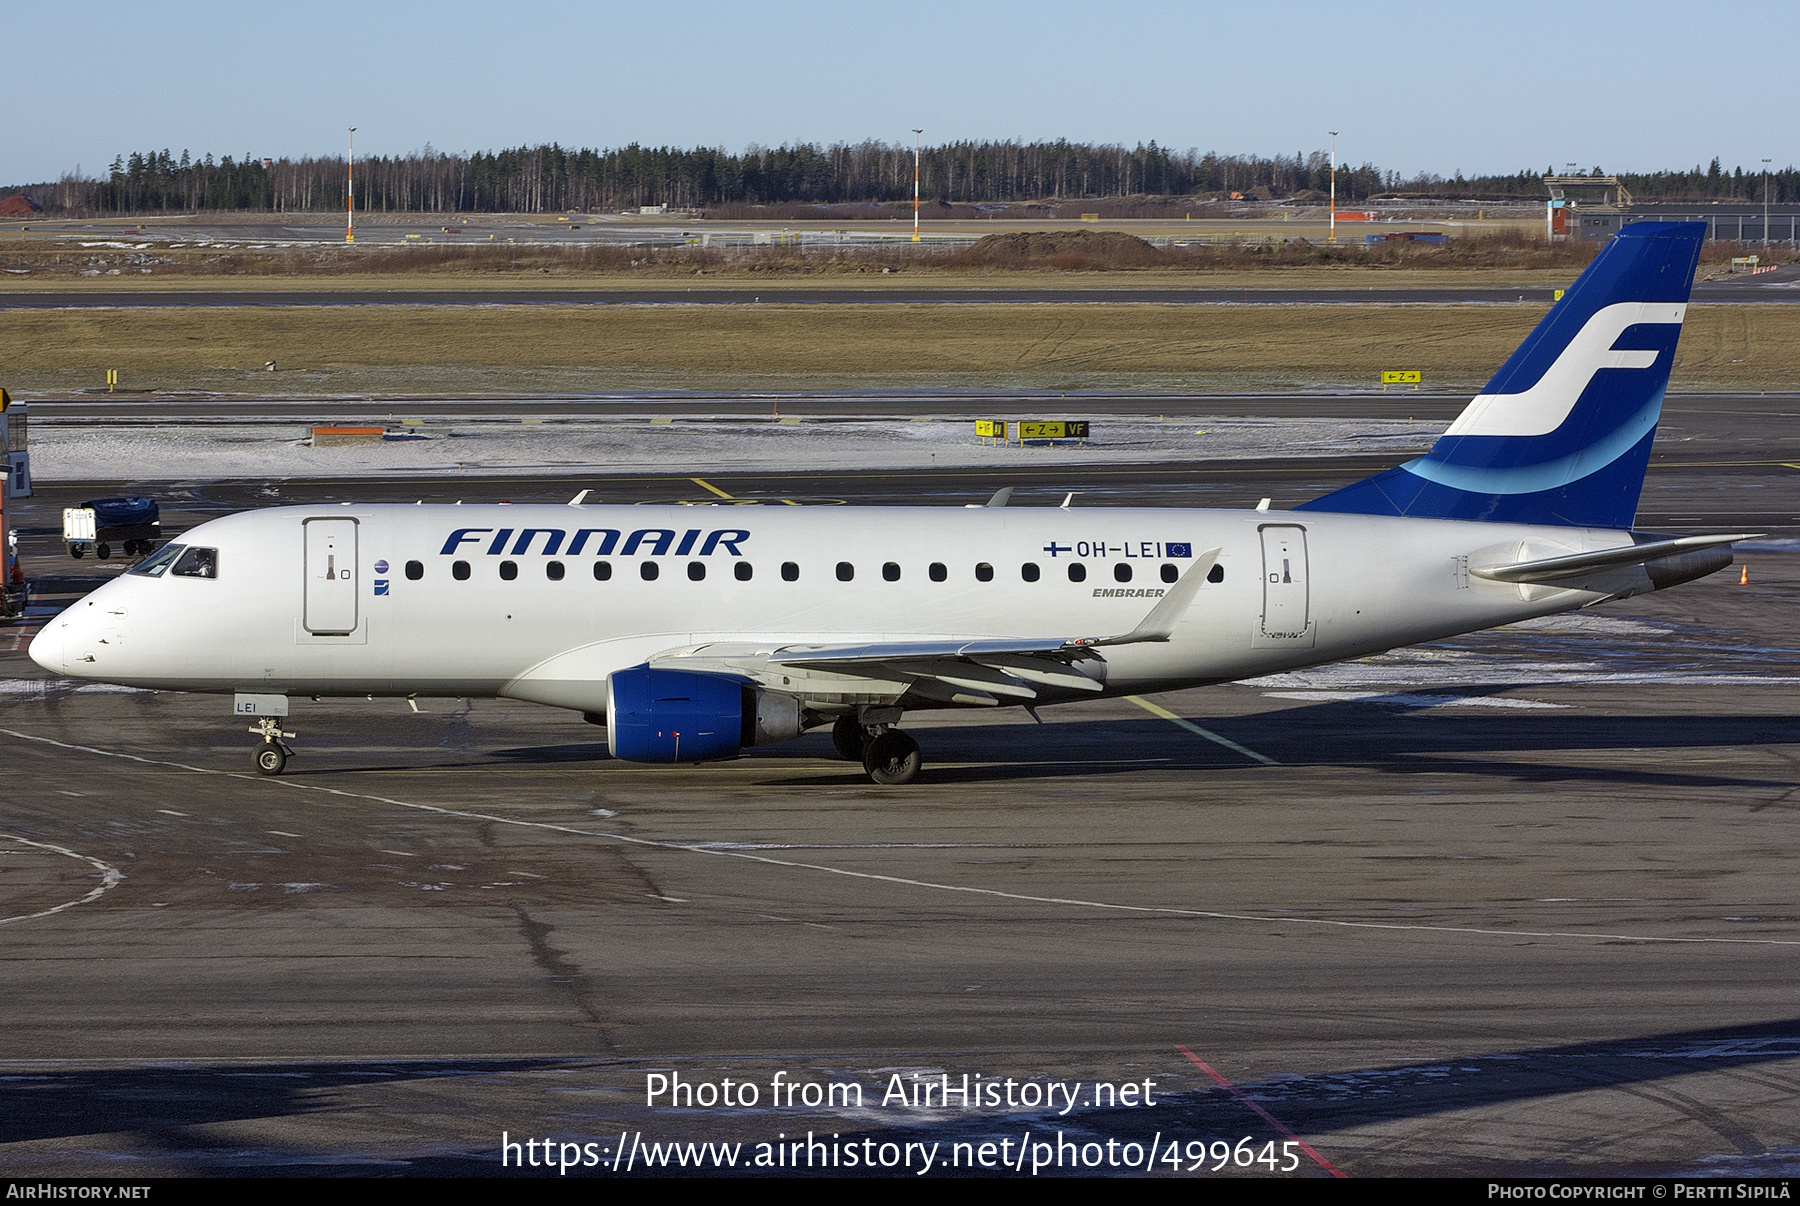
<point x="576" y="501"/>
<point x="1159" y="625"/>
<point x="1001" y="497"/>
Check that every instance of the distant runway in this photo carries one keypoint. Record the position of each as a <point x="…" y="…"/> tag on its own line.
<point x="802" y="296"/>
<point x="1747" y="416"/>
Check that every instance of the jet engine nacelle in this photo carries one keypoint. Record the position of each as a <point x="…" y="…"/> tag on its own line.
<point x="680" y="716"/>
<point x="1685" y="567"/>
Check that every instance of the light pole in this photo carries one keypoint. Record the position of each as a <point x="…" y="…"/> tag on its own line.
<point x="916" y="134"/>
<point x="1333" y="236"/>
<point x="1765" y="203"/>
<point x="350" y="191"/>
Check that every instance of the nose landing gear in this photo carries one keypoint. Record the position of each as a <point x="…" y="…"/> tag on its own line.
<point x="272" y="755"/>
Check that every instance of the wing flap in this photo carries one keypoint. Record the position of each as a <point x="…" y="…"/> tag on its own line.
<point x="890" y="651"/>
<point x="1045" y="671"/>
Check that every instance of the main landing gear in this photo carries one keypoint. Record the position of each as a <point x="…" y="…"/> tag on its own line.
<point x="849" y="737"/>
<point x="890" y="756"/>
<point x="272" y="755"/>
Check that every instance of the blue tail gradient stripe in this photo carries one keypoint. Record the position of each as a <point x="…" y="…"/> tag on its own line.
<point x="1562" y="433"/>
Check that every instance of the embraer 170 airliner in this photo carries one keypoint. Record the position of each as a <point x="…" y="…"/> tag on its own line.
<point x="691" y="633"/>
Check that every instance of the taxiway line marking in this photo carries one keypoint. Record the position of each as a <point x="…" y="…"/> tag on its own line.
<point x="705" y="485"/>
<point x="111" y="877"/>
<point x="694" y="848"/>
<point x="1267" y="1117"/>
<point x="1190" y="726"/>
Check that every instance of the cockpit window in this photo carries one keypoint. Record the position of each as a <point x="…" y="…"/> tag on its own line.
<point x="197" y="563"/>
<point x="154" y="565"/>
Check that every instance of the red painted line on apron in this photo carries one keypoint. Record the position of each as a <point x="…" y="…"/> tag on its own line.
<point x="1267" y="1117"/>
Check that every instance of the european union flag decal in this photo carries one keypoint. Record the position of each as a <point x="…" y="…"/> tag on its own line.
<point x="381" y="586"/>
<point x="1178" y="549"/>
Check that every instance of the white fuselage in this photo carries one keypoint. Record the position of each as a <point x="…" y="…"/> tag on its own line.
<point x="1297" y="588"/>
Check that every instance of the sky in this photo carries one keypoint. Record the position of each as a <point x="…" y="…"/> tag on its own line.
<point x="1411" y="87"/>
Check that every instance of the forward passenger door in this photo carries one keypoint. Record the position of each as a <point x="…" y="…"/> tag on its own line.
<point x="330" y="576"/>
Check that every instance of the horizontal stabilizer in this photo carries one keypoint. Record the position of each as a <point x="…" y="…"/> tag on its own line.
<point x="1552" y="569"/>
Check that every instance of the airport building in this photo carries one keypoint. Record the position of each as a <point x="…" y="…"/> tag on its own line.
<point x="1593" y="208"/>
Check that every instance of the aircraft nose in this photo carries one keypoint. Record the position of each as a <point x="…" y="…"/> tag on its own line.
<point x="47" y="646"/>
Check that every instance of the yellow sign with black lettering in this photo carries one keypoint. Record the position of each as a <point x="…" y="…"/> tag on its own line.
<point x="994" y="429"/>
<point x="1401" y="377"/>
<point x="1076" y="430"/>
<point x="5" y="401"/>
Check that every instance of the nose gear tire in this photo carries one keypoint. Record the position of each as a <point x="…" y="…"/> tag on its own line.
<point x="271" y="759"/>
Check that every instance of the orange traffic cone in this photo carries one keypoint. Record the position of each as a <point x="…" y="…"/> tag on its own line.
<point x="1744" y="578"/>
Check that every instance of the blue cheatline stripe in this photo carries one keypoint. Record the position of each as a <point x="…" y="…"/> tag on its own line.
<point x="1546" y="475"/>
<point x="1606" y="498"/>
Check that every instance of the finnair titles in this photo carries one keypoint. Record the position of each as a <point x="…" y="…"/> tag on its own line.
<point x="690" y="642"/>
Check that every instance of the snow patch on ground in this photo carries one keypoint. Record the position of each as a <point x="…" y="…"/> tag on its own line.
<point x="1491" y="672"/>
<point x="625" y="444"/>
<point x="40" y="688"/>
<point x="1409" y="701"/>
<point x="1586" y="624"/>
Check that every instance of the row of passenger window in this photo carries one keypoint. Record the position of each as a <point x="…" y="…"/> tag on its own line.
<point x="743" y="571"/>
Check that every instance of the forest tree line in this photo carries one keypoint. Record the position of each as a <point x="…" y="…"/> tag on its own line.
<point x="555" y="179"/>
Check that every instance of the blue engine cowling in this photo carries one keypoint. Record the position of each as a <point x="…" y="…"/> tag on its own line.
<point x="684" y="716"/>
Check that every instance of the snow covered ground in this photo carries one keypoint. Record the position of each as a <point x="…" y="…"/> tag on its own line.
<point x="146" y="451"/>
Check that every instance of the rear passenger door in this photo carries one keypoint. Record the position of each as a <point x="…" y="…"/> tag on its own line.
<point x="1285" y="590"/>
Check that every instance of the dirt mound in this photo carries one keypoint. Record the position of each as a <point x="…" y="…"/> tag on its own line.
<point x="1068" y="249"/>
<point x="19" y="206"/>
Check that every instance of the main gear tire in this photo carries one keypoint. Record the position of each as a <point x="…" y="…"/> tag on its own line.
<point x="849" y="738"/>
<point x="892" y="759"/>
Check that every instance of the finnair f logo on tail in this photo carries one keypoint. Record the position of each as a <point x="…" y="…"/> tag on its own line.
<point x="1544" y="407"/>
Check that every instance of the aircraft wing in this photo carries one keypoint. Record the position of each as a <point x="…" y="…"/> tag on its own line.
<point x="980" y="671"/>
<point x="965" y="672"/>
<point x="834" y="655"/>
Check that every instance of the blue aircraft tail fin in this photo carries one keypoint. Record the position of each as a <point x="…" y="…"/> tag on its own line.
<point x="1562" y="433"/>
